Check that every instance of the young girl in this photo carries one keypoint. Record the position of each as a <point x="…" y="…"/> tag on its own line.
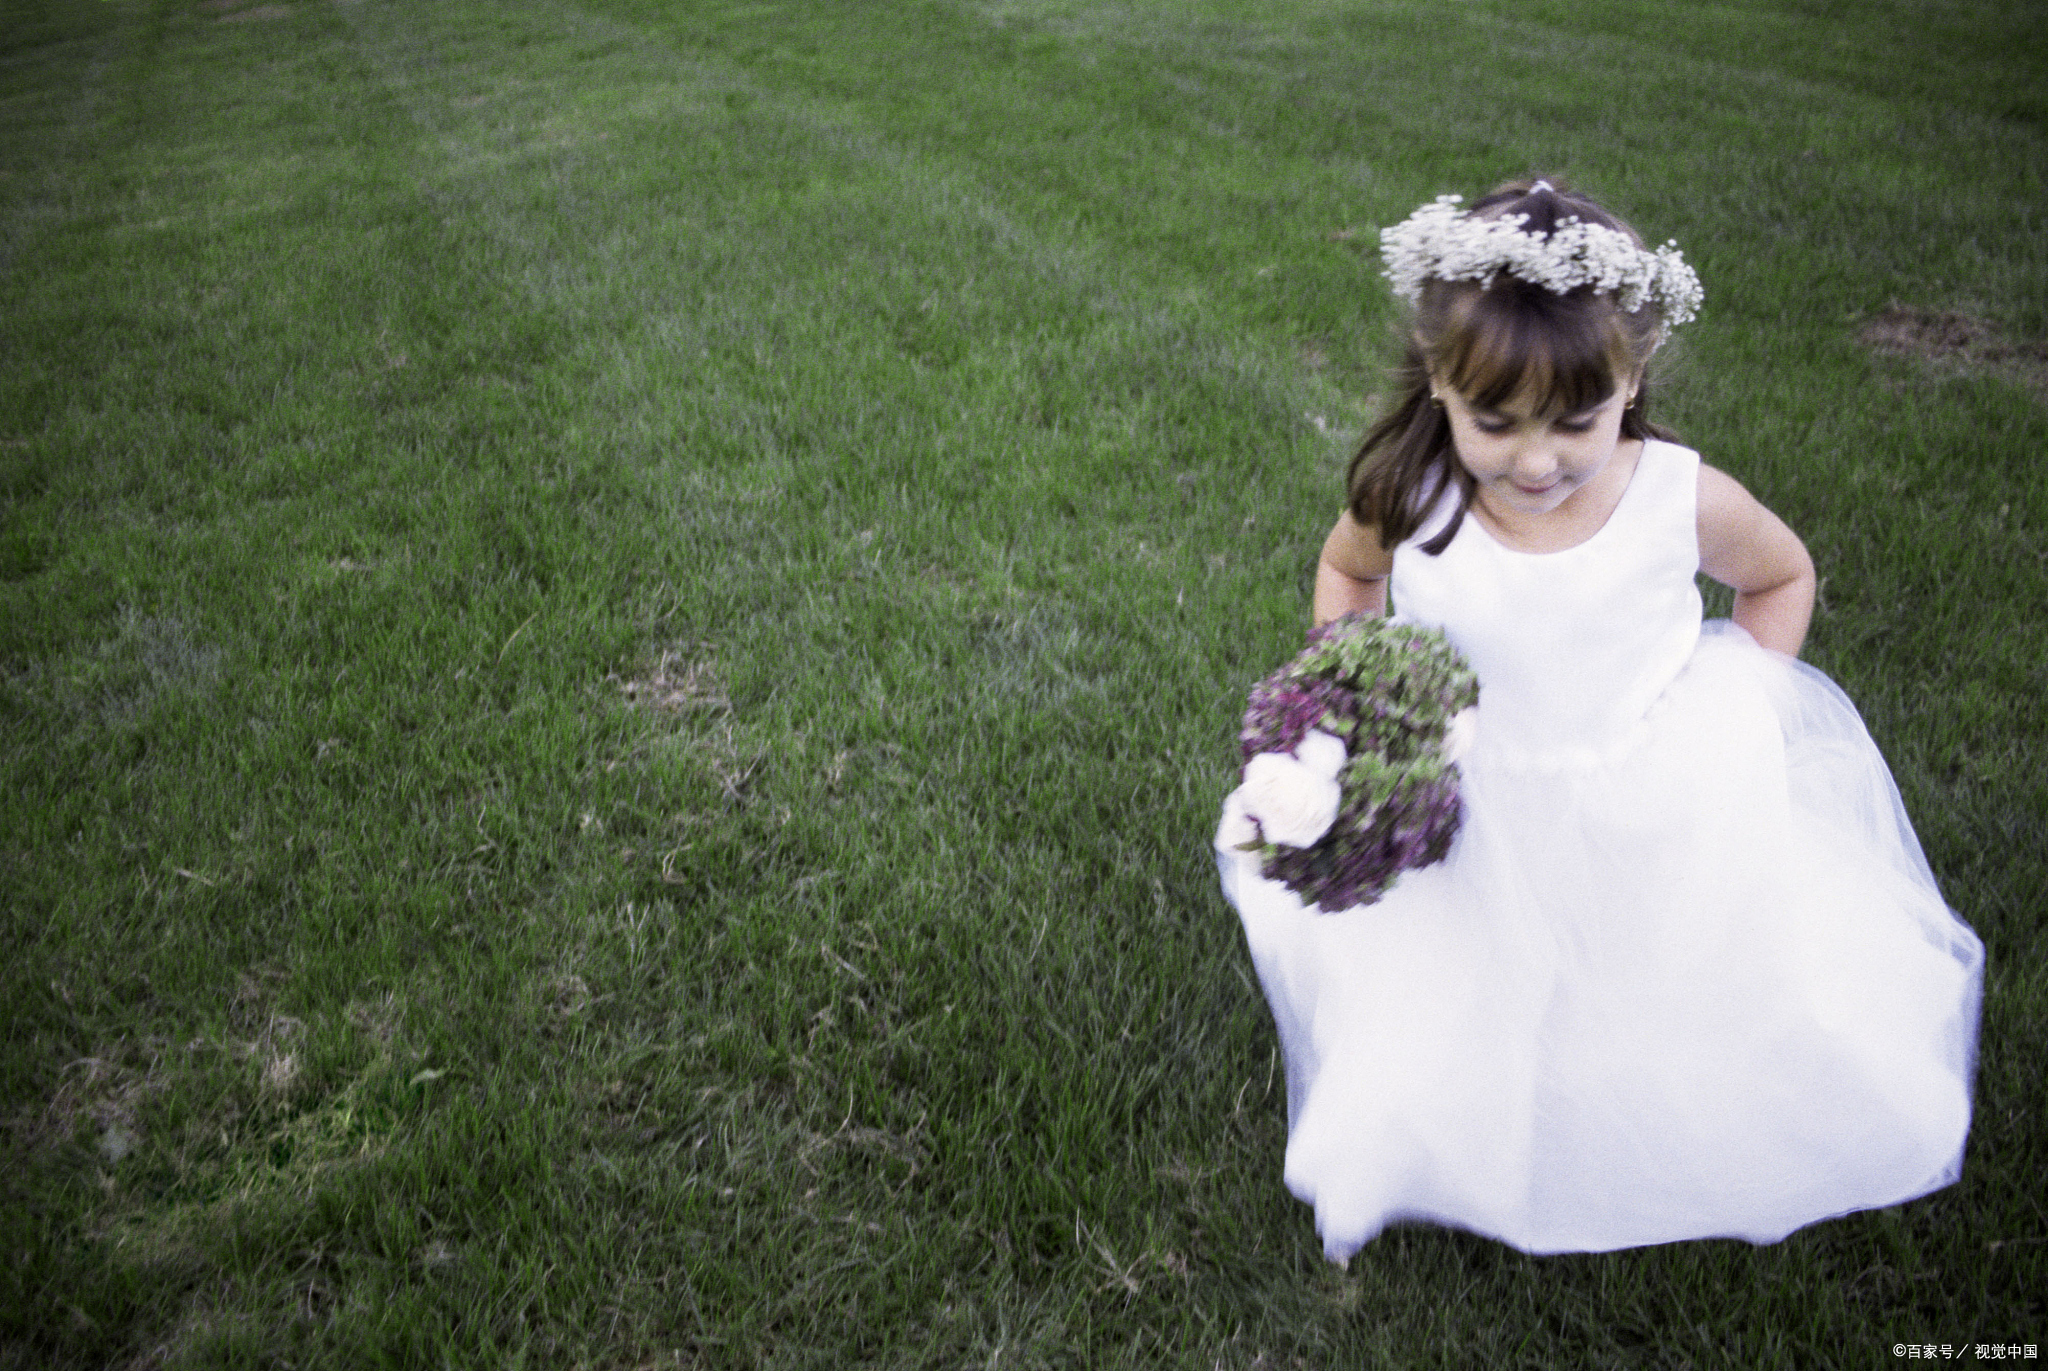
<point x="1685" y="972"/>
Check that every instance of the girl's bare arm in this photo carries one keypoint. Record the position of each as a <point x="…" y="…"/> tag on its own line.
<point x="1745" y="546"/>
<point x="1352" y="574"/>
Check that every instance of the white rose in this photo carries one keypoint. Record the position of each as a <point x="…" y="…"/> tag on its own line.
<point x="1459" y="735"/>
<point x="1322" y="753"/>
<point x="1294" y="803"/>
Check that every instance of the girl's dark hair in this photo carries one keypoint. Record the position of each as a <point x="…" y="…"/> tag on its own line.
<point x="1489" y="344"/>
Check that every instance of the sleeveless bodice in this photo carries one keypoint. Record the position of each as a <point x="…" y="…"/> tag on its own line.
<point x="1571" y="647"/>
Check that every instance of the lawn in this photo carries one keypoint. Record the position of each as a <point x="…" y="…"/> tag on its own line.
<point x="622" y="623"/>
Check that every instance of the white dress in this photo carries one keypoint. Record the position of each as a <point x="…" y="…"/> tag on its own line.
<point x="1685" y="972"/>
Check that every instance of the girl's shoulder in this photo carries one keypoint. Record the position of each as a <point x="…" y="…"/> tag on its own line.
<point x="1726" y="506"/>
<point x="1732" y="521"/>
<point x="1355" y="549"/>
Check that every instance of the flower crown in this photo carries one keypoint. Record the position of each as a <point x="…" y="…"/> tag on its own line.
<point x="1443" y="242"/>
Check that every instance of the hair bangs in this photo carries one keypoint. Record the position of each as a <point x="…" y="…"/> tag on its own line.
<point x="1517" y="342"/>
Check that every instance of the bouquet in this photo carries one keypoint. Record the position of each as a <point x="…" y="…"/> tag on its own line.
<point x="1351" y="757"/>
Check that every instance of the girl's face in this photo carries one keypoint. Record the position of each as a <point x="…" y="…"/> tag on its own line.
<point x="1527" y="461"/>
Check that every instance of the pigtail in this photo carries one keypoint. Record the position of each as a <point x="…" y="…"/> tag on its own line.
<point x="1405" y="463"/>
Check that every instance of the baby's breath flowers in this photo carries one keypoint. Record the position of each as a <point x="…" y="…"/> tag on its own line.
<point x="1444" y="242"/>
<point x="1350" y="761"/>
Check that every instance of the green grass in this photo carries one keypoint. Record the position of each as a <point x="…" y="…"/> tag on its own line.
<point x="935" y="410"/>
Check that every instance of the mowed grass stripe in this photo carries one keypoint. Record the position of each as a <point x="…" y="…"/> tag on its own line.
<point x="813" y="188"/>
<point x="674" y="416"/>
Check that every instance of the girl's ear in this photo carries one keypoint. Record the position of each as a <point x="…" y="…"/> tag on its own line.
<point x="1632" y="382"/>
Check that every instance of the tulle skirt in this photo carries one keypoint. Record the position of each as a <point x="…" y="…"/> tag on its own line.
<point x="1696" y="983"/>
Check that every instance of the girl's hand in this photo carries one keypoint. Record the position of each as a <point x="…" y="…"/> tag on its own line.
<point x="1352" y="575"/>
<point x="1746" y="547"/>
